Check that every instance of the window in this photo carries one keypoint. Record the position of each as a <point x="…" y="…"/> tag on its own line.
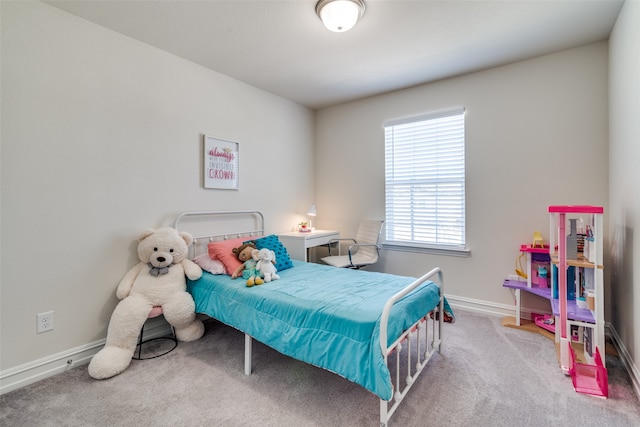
<point x="424" y="180"/>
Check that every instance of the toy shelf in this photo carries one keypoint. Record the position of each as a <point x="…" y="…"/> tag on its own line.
<point x="535" y="249"/>
<point x="565" y="230"/>
<point x="522" y="285"/>
<point x="575" y="289"/>
<point x="537" y="255"/>
<point x="573" y="311"/>
<point x="581" y="261"/>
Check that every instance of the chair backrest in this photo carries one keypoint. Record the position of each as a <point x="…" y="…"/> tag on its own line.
<point x="369" y="232"/>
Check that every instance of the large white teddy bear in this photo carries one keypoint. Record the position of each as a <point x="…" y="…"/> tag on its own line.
<point x="158" y="280"/>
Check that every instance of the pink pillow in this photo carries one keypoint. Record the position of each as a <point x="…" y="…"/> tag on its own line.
<point x="223" y="251"/>
<point x="213" y="266"/>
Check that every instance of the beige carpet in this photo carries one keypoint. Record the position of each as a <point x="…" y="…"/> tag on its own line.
<point x="487" y="375"/>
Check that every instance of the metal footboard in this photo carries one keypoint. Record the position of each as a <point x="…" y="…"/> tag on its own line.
<point x="416" y="336"/>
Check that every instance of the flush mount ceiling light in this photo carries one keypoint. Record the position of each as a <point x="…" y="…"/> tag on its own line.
<point x="339" y="15"/>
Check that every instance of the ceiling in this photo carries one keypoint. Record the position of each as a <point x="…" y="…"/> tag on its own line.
<point x="281" y="46"/>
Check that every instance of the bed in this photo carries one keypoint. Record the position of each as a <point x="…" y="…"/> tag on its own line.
<point x="353" y="323"/>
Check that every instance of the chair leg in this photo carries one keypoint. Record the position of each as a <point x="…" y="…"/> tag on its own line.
<point x="141" y="342"/>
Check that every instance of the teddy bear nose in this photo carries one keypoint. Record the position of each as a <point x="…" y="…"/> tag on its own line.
<point x="161" y="259"/>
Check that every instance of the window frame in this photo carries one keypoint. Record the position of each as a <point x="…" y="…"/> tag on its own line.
<point x="461" y="249"/>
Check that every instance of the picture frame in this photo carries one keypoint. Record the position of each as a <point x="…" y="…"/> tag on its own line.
<point x="221" y="163"/>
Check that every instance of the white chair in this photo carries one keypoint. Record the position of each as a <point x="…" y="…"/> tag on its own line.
<point x="363" y="250"/>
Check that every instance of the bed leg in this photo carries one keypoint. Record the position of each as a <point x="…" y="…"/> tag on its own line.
<point x="384" y="413"/>
<point x="440" y="324"/>
<point x="248" y="342"/>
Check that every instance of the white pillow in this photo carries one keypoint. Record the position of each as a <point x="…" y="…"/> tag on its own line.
<point x="213" y="266"/>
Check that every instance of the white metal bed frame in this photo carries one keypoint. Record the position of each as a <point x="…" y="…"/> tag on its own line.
<point x="415" y="336"/>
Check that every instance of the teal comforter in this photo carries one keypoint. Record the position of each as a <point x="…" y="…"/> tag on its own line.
<point x="325" y="316"/>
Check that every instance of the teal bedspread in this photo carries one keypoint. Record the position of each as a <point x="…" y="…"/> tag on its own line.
<point x="325" y="316"/>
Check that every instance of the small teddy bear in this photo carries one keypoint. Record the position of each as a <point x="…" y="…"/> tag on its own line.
<point x="266" y="264"/>
<point x="248" y="266"/>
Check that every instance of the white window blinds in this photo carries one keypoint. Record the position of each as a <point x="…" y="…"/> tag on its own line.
<point x="425" y="176"/>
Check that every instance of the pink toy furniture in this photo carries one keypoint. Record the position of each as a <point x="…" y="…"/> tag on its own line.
<point x="589" y="377"/>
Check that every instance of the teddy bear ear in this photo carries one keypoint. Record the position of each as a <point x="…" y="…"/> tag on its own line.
<point x="146" y="233"/>
<point x="188" y="238"/>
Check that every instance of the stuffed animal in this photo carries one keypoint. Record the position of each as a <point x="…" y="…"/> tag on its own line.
<point x="157" y="280"/>
<point x="266" y="264"/>
<point x="248" y="267"/>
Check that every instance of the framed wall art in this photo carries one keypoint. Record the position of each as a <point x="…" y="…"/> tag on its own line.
<point x="221" y="163"/>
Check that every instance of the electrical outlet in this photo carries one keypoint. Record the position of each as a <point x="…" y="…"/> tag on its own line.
<point x="44" y="322"/>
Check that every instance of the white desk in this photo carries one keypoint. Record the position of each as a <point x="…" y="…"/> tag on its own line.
<point x="297" y="242"/>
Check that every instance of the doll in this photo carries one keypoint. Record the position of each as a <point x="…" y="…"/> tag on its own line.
<point x="248" y="266"/>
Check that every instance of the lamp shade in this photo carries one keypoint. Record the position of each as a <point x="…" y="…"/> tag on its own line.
<point x="312" y="210"/>
<point x="339" y="15"/>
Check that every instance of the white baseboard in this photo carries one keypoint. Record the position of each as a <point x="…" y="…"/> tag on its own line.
<point x="480" y="306"/>
<point x="23" y="375"/>
<point x="20" y="376"/>
<point x="626" y="360"/>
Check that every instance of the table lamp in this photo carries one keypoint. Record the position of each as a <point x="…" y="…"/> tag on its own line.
<point x="312" y="212"/>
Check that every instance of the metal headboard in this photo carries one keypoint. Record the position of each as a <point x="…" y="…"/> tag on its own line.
<point x="224" y="225"/>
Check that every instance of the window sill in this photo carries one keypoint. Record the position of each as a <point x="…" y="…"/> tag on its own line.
<point x="435" y="250"/>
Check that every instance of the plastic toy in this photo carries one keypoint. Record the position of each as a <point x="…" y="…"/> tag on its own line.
<point x="519" y="270"/>
<point x="537" y="240"/>
<point x="543" y="273"/>
<point x="589" y="379"/>
<point x="266" y="264"/>
<point x="247" y="269"/>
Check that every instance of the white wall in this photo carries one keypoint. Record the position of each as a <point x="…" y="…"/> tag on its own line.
<point x="101" y="138"/>
<point x="536" y="135"/>
<point x="624" y="186"/>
